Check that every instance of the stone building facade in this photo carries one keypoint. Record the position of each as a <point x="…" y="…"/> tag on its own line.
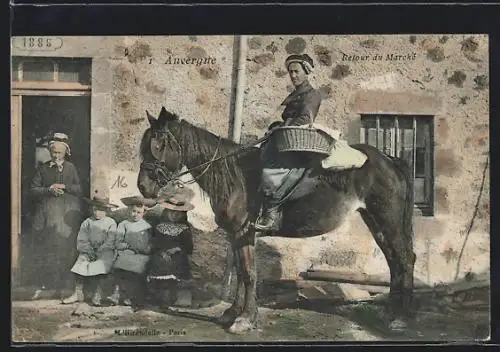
<point x="376" y="89"/>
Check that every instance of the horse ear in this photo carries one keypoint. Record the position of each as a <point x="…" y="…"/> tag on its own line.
<point x="163" y="118"/>
<point x="166" y="116"/>
<point x="151" y="119"/>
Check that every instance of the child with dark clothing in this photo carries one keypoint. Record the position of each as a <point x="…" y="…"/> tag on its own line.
<point x="172" y="243"/>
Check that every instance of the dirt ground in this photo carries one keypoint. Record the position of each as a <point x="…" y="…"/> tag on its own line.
<point x="49" y="321"/>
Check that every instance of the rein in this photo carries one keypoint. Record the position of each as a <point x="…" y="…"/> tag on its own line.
<point x="161" y="172"/>
<point x="209" y="163"/>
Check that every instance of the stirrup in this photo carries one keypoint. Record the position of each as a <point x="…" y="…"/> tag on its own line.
<point x="273" y="222"/>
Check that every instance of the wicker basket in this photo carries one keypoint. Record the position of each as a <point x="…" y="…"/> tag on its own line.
<point x="300" y="139"/>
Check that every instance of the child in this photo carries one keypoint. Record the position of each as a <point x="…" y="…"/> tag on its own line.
<point x="133" y="244"/>
<point x="173" y="243"/>
<point x="95" y="245"/>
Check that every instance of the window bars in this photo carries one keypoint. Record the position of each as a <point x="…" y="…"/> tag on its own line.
<point x="409" y="137"/>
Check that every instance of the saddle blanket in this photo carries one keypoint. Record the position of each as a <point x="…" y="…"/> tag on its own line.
<point x="343" y="157"/>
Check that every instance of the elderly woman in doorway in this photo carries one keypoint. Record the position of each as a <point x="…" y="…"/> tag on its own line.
<point x="281" y="171"/>
<point x="56" y="189"/>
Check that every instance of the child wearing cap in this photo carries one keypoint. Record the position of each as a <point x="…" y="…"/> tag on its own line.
<point x="133" y="244"/>
<point x="172" y="242"/>
<point x="96" y="248"/>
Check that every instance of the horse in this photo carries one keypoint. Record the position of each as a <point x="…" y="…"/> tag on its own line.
<point x="381" y="191"/>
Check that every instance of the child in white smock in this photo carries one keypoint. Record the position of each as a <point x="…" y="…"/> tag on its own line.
<point x="133" y="244"/>
<point x="96" y="248"/>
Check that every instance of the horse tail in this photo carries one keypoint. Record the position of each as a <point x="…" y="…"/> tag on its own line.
<point x="403" y="167"/>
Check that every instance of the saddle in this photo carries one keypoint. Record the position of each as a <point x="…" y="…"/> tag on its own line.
<point x="318" y="140"/>
<point x="315" y="143"/>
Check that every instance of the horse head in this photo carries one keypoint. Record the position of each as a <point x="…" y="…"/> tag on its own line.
<point x="161" y="153"/>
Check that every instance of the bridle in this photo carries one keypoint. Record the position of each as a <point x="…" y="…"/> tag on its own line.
<point x="162" y="175"/>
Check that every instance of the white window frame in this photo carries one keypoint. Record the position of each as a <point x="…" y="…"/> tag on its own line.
<point x="42" y="86"/>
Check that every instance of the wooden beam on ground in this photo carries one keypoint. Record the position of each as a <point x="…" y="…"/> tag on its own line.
<point x="455" y="287"/>
<point x="350" y="277"/>
<point x="346" y="277"/>
<point x="328" y="286"/>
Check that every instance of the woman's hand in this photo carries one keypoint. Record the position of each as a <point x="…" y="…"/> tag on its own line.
<point x="273" y="126"/>
<point x="173" y="250"/>
<point x="56" y="189"/>
<point x="92" y="257"/>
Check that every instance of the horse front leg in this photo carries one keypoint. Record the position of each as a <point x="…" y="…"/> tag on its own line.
<point x="230" y="314"/>
<point x="246" y="321"/>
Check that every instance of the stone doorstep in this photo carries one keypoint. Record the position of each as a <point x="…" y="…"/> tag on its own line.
<point x="24" y="293"/>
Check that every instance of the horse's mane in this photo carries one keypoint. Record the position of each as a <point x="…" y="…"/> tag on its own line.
<point x="224" y="176"/>
<point x="144" y="148"/>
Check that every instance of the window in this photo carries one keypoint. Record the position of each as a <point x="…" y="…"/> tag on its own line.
<point x="409" y="137"/>
<point x="29" y="72"/>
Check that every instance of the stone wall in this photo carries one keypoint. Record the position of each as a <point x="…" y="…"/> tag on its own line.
<point x="442" y="75"/>
<point x="445" y="76"/>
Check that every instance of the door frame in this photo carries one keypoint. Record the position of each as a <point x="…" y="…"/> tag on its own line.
<point x="16" y="162"/>
<point x="15" y="174"/>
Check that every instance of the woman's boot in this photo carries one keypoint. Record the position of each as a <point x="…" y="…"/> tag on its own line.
<point x="270" y="220"/>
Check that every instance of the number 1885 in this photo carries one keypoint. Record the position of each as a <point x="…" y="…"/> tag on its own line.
<point x="33" y="42"/>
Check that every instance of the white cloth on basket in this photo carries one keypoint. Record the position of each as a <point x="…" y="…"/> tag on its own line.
<point x="335" y="134"/>
<point x="342" y="156"/>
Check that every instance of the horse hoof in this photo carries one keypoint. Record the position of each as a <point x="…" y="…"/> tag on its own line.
<point x="227" y="318"/>
<point x="240" y="326"/>
<point x="397" y="325"/>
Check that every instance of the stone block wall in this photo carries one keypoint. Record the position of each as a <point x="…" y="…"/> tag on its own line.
<point x="442" y="75"/>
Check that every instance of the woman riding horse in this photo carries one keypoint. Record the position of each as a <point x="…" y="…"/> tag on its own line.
<point x="282" y="170"/>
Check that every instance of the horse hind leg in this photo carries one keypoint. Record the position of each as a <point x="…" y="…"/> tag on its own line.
<point x="396" y="272"/>
<point x="408" y="280"/>
<point x="401" y="261"/>
<point x="405" y="262"/>
<point x="402" y="245"/>
<point x="379" y="237"/>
